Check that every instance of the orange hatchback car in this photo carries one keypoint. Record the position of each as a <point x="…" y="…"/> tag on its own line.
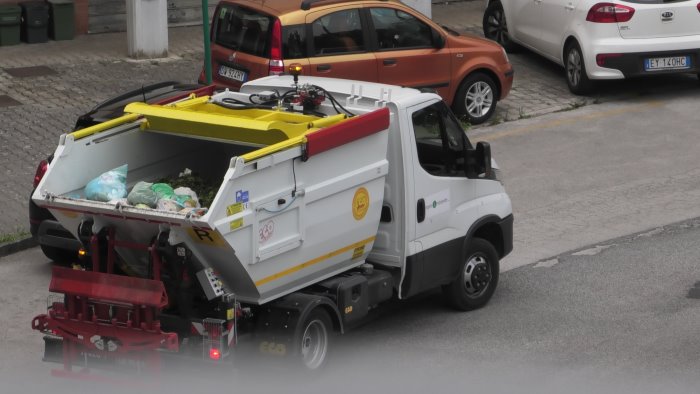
<point x="376" y="41"/>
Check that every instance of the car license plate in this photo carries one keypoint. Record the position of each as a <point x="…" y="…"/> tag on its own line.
<point x="667" y="63"/>
<point x="232" y="73"/>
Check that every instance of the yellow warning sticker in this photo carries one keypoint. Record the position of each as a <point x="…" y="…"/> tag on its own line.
<point x="358" y="252"/>
<point x="234" y="208"/>
<point x="229" y="314"/>
<point x="68" y="214"/>
<point x="238" y="223"/>
<point x="360" y="203"/>
<point x="207" y="237"/>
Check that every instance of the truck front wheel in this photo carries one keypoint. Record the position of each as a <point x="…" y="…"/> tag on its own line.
<point x="477" y="277"/>
<point x="313" y="340"/>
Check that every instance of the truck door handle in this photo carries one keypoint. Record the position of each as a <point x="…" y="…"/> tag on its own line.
<point x="389" y="62"/>
<point x="323" y="67"/>
<point x="421" y="210"/>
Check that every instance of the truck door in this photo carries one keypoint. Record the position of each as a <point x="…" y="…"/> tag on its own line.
<point x="439" y="195"/>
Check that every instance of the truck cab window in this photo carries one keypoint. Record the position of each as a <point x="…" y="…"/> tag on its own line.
<point x="440" y="140"/>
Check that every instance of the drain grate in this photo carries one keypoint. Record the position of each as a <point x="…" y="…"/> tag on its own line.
<point x="7" y="101"/>
<point x="694" y="292"/>
<point x="27" y="72"/>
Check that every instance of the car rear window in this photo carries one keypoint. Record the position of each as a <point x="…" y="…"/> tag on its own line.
<point x="242" y="29"/>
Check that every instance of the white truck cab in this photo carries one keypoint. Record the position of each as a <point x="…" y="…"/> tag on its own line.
<point x="434" y="205"/>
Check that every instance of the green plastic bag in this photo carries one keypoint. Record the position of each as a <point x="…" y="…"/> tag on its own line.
<point x="143" y="194"/>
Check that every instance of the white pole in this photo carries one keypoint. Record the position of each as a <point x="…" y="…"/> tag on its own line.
<point x="147" y="28"/>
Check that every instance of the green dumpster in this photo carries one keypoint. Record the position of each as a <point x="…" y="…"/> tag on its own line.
<point x="10" y="20"/>
<point x="62" y="19"/>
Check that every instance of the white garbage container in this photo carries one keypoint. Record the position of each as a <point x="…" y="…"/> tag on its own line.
<point x="147" y="28"/>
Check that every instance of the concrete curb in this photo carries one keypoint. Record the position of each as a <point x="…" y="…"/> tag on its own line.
<point x="9" y="248"/>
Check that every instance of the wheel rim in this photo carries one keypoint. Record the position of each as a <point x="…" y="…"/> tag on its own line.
<point x="496" y="27"/>
<point x="477" y="276"/>
<point x="479" y="99"/>
<point x="314" y="344"/>
<point x="573" y="67"/>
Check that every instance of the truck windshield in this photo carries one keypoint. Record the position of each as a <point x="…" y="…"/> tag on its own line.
<point x="440" y="139"/>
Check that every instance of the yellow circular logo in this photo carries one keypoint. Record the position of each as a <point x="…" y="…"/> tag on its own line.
<point x="360" y="203"/>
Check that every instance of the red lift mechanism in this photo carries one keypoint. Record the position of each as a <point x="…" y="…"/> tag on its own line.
<point x="108" y="315"/>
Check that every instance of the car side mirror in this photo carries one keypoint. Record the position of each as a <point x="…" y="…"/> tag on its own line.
<point x="438" y="39"/>
<point x="477" y="162"/>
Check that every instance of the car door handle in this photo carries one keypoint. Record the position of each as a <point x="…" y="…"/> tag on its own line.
<point x="538" y="1"/>
<point x="323" y="67"/>
<point x="389" y="62"/>
<point x="569" y="7"/>
<point x="420" y="214"/>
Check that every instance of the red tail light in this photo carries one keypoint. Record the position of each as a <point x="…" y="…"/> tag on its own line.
<point x="698" y="7"/>
<point x="276" y="62"/>
<point x="609" y="13"/>
<point x="40" y="171"/>
<point x="601" y="58"/>
<point x="214" y="354"/>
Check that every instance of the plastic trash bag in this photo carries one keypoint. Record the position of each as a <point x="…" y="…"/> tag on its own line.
<point x="186" y="197"/>
<point x="163" y="191"/>
<point x="110" y="185"/>
<point x="165" y="204"/>
<point x="143" y="194"/>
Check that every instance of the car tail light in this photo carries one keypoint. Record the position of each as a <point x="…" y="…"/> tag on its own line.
<point x="601" y="58"/>
<point x="214" y="354"/>
<point x="698" y="7"/>
<point x="40" y="171"/>
<point x="609" y="13"/>
<point x="276" y="62"/>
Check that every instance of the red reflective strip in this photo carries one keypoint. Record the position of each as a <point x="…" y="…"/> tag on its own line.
<point x="347" y="131"/>
<point x="108" y="287"/>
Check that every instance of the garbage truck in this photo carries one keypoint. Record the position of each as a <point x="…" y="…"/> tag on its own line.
<point x="328" y="198"/>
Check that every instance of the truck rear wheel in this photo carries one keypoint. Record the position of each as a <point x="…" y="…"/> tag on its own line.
<point x="477" y="277"/>
<point x="313" y="340"/>
<point x="58" y="255"/>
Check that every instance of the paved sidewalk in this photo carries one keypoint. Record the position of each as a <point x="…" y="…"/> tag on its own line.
<point x="83" y="72"/>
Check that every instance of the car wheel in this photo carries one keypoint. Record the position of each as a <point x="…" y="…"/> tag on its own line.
<point x="313" y="340"/>
<point x="476" y="98"/>
<point x="495" y="26"/>
<point x="58" y="255"/>
<point x="576" y="76"/>
<point x="477" y="277"/>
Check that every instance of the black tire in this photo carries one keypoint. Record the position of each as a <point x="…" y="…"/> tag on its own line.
<point x="312" y="342"/>
<point x="477" y="278"/>
<point x="59" y="256"/>
<point x="495" y="26"/>
<point x="575" y="69"/>
<point x="476" y="98"/>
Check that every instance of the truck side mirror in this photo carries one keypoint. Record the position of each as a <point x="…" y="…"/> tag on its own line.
<point x="438" y="39"/>
<point x="477" y="162"/>
<point x="483" y="155"/>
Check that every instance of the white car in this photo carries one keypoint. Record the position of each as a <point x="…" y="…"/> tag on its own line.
<point x="601" y="40"/>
